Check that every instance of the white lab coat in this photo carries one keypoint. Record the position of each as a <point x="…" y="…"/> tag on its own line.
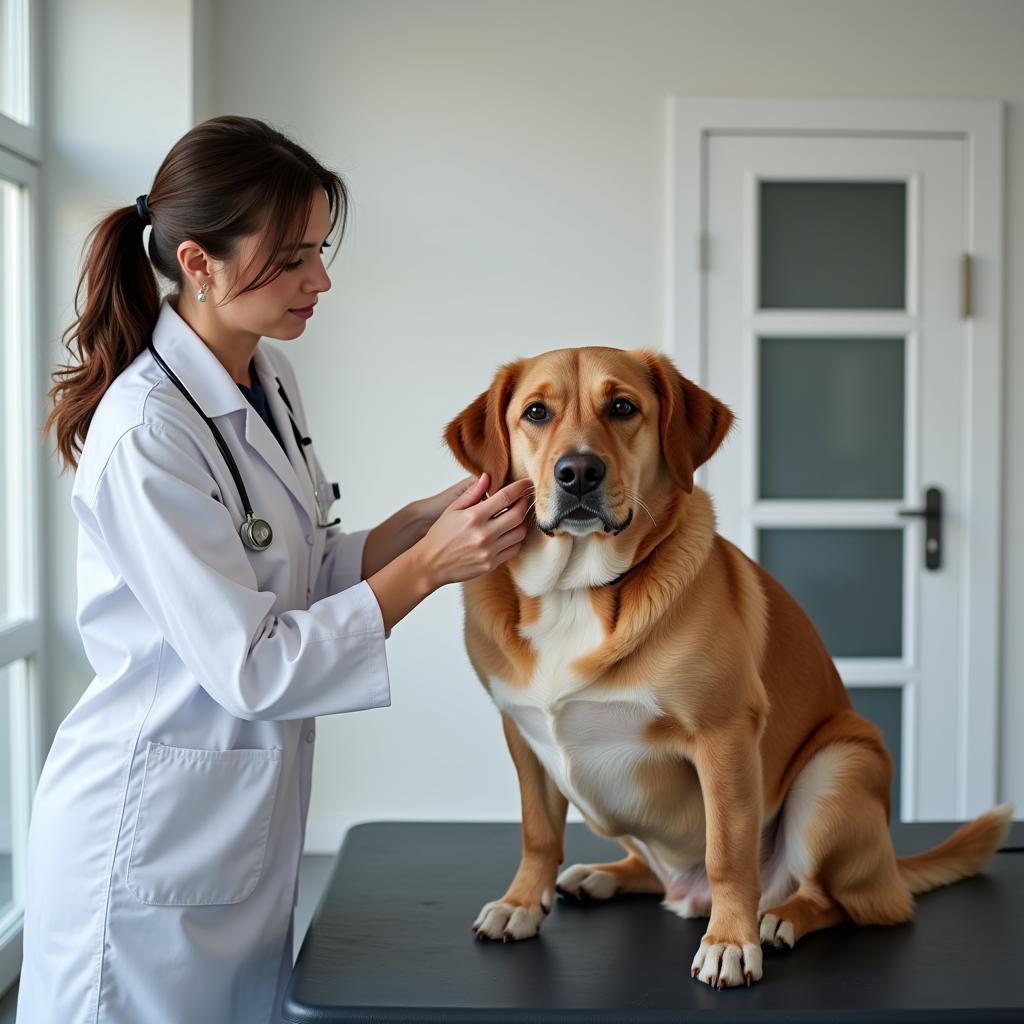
<point x="169" y="819"/>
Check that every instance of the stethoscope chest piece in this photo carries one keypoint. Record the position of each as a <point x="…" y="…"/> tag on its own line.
<point x="256" y="533"/>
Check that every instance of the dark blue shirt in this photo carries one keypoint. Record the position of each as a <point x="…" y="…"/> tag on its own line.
<point x="258" y="400"/>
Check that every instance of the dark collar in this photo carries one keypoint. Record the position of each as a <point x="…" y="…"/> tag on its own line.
<point x="618" y="579"/>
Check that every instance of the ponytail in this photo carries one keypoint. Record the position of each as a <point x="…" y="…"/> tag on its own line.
<point x="122" y="306"/>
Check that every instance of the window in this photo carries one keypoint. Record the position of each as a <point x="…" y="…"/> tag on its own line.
<point x="21" y="454"/>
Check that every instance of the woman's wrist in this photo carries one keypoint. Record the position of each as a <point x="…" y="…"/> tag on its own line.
<point x="421" y="570"/>
<point x="417" y="520"/>
<point x="397" y="534"/>
<point x="402" y="583"/>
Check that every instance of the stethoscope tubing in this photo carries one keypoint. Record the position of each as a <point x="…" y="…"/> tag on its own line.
<point x="218" y="437"/>
<point x="255" y="533"/>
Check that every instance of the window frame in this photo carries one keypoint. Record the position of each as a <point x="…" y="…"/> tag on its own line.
<point x="22" y="646"/>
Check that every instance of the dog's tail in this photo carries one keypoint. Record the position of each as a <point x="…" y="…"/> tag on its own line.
<point x="963" y="854"/>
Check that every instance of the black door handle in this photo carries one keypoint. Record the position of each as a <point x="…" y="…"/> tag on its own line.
<point x="932" y="514"/>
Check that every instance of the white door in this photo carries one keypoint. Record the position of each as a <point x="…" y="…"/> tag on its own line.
<point x="835" y="332"/>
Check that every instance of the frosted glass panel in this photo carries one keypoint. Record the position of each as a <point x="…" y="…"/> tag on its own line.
<point x="849" y="581"/>
<point x="833" y="245"/>
<point x="883" y="705"/>
<point x="831" y="414"/>
<point x="14" y="59"/>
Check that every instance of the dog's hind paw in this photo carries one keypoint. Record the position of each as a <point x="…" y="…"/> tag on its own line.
<point x="689" y="906"/>
<point x="587" y="882"/>
<point x="508" y="921"/>
<point x="777" y="932"/>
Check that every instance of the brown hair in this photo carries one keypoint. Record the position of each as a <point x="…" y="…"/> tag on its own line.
<point x="226" y="178"/>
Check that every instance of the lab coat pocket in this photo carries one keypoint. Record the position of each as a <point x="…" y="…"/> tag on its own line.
<point x="202" y="825"/>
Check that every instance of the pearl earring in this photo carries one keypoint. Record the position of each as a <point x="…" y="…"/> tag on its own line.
<point x="201" y="294"/>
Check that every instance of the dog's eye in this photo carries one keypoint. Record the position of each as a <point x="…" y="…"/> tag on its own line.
<point x="537" y="412"/>
<point x="622" y="408"/>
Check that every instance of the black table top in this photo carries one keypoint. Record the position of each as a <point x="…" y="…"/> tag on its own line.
<point x="391" y="941"/>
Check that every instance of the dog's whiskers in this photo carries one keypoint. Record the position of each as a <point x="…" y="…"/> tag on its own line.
<point x="636" y="497"/>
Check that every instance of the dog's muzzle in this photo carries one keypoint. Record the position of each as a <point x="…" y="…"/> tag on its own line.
<point x="579" y="499"/>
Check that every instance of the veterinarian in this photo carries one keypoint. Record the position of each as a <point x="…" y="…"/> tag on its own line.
<point x="219" y="605"/>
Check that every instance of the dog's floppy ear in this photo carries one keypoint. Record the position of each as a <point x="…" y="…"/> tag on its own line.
<point x="478" y="436"/>
<point x="693" y="423"/>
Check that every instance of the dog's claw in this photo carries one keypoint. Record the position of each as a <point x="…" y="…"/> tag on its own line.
<point x="508" y="922"/>
<point x="723" y="965"/>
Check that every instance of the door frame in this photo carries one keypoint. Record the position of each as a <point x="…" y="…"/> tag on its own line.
<point x="690" y="123"/>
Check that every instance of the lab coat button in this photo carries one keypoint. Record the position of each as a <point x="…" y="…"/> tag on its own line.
<point x="310" y="736"/>
<point x="309" y="538"/>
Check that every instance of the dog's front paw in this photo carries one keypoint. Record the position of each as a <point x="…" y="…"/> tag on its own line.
<point x="510" y="921"/>
<point x="587" y="882"/>
<point x="724" y="964"/>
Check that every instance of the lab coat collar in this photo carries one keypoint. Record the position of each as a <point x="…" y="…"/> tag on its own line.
<point x="195" y="365"/>
<point x="260" y="436"/>
<point x="213" y="388"/>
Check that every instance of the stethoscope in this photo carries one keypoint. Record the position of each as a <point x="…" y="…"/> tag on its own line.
<point x="256" y="533"/>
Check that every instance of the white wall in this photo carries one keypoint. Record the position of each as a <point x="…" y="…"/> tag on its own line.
<point x="506" y="163"/>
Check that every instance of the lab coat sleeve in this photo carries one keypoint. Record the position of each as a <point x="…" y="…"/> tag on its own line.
<point x="342" y="564"/>
<point x="156" y="508"/>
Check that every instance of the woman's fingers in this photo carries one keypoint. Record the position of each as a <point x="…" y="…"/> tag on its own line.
<point x="507" y="552"/>
<point x="472" y="494"/>
<point x="451" y="493"/>
<point x="512" y="518"/>
<point x="506" y="497"/>
<point x="473" y="535"/>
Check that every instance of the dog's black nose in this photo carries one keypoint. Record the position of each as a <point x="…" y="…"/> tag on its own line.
<point x="579" y="472"/>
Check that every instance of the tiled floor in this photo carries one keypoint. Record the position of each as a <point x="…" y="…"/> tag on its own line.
<point x="313" y="877"/>
<point x="8" y="1005"/>
<point x="5" y="879"/>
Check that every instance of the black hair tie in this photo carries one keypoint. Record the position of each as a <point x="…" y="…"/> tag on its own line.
<point x="142" y="206"/>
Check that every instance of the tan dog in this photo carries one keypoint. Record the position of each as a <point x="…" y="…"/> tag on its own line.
<point x="651" y="673"/>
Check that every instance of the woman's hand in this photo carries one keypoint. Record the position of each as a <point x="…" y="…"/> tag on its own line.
<point x="470" y="536"/>
<point x="408" y="525"/>
<point x="467" y="538"/>
<point x="428" y="510"/>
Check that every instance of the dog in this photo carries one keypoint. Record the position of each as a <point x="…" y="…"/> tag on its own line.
<point x="651" y="673"/>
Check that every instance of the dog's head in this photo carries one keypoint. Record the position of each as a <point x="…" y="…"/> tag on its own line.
<point x="605" y="435"/>
<point x="593" y="428"/>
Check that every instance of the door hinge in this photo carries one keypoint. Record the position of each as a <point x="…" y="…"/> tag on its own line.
<point x="966" y="295"/>
<point x="702" y="252"/>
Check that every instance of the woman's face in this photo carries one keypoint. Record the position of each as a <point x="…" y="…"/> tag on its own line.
<point x="267" y="311"/>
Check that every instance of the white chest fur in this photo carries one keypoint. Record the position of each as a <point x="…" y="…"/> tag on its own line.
<point x="589" y="738"/>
